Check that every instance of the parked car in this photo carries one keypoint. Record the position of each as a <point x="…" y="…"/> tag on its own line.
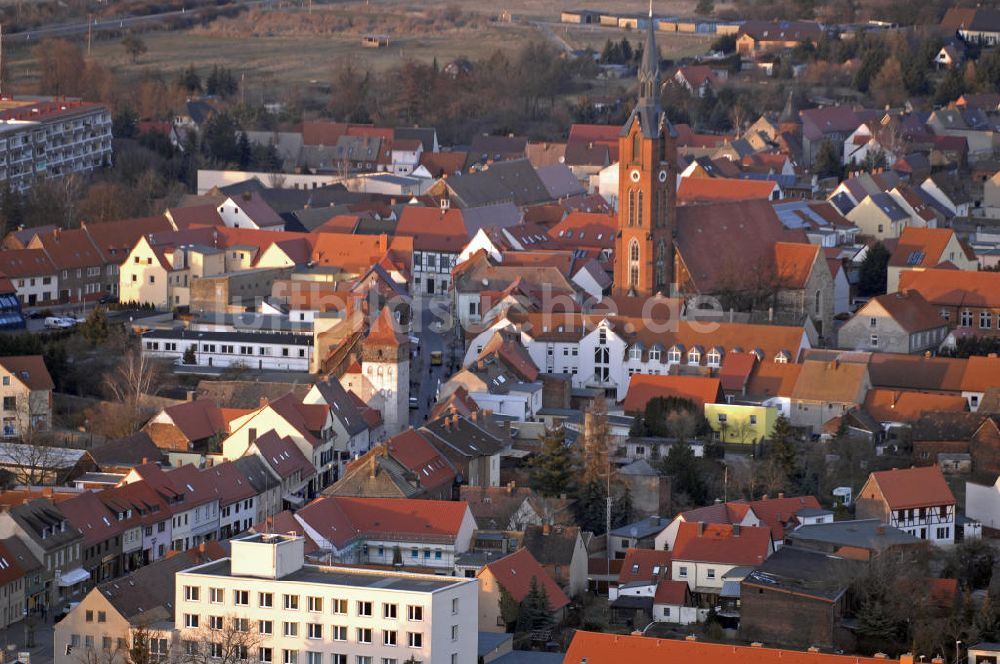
<point x="414" y="403"/>
<point x="59" y="323"/>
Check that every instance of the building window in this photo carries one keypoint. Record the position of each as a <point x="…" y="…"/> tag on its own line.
<point x="339" y="606"/>
<point x="265" y="627"/>
<point x="389" y="637"/>
<point x="682" y="572"/>
<point x="415" y="639"/>
<point x="414" y="613"/>
<point x="314" y="631"/>
<point x="290" y="656"/>
<point x="389" y="611"/>
<point x="364" y="634"/>
<point x="454" y="606"/>
<point x="674" y="355"/>
<point x="191" y="593"/>
<point x="315" y="604"/>
<point x="291" y="629"/>
<point x="215" y="623"/>
<point x="985" y="320"/>
<point x="966" y="318"/>
<point x="710" y="573"/>
<point x="338" y="632"/>
<point x="364" y="609"/>
<point x="314" y="657"/>
<point x="215" y="595"/>
<point x="264" y="655"/>
<point x="454" y="632"/>
<point x="873" y="342"/>
<point x="191" y="620"/>
<point x="241" y="597"/>
<point x="265" y="600"/>
<point x="291" y="602"/>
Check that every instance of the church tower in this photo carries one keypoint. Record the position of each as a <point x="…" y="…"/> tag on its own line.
<point x="386" y="364"/>
<point x="647" y="184"/>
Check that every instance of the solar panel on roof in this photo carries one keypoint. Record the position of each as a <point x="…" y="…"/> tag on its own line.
<point x="915" y="258"/>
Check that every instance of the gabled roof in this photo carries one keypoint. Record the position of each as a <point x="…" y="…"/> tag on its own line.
<point x="230" y="482"/>
<point x="197" y="420"/>
<point x="506" y="181"/>
<point x="551" y="545"/>
<point x="87" y="513"/>
<point x="115" y="239"/>
<point x="433" y="229"/>
<point x="735" y="371"/>
<point x="794" y="262"/>
<point x="981" y="373"/>
<point x="515" y="573"/>
<point x="342" y="407"/>
<point x="462" y="436"/>
<point x="343" y="518"/>
<point x="647" y="565"/>
<point x="954" y="287"/>
<point x="30" y="370"/>
<point x="674" y="593"/>
<point x="419" y="457"/>
<point x="722" y="543"/>
<point x="384" y="330"/>
<point x="643" y="387"/>
<point x="19" y="263"/>
<point x="708" y="190"/>
<point x="775" y="513"/>
<point x="909" y="309"/>
<point x="914" y="372"/>
<point x="283" y="455"/>
<point x="910" y="406"/>
<point x="907" y="488"/>
<point x="921" y="247"/>
<point x="133" y="450"/>
<point x="836" y="381"/>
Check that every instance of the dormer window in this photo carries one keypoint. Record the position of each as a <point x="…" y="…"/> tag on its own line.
<point x="674" y="354"/>
<point x="694" y="356"/>
<point x="781" y="357"/>
<point x="635" y="353"/>
<point x="654" y="355"/>
<point x="714" y="358"/>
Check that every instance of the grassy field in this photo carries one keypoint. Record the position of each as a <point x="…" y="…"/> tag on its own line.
<point x="289" y="59"/>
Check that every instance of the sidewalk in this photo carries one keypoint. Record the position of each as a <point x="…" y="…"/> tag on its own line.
<point x="12" y="639"/>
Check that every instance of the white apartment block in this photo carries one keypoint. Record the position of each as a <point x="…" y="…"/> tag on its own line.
<point x="50" y="138"/>
<point x="308" y="614"/>
<point x="279" y="351"/>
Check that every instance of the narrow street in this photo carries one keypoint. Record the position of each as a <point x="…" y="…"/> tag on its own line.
<point x="425" y="378"/>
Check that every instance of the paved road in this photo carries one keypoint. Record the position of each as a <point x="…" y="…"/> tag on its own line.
<point x="425" y="378"/>
<point x="119" y="23"/>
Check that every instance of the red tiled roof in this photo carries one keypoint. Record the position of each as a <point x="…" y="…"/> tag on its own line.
<point x="346" y="517"/>
<point x="981" y="373"/>
<point x="670" y="592"/>
<point x="706" y="190"/>
<point x="383" y="331"/>
<point x="772" y="379"/>
<point x="734" y="373"/>
<point x="776" y="512"/>
<point x="643" y="387"/>
<point x="719" y="543"/>
<point x="69" y="249"/>
<point x="794" y="262"/>
<point x="9" y="570"/>
<point x="443" y="163"/>
<point x="285" y="523"/>
<point x="515" y="572"/>
<point x="909" y="309"/>
<point x="603" y="648"/>
<point x="115" y="239"/>
<point x="197" y="419"/>
<point x="907" y="488"/>
<point x="283" y="455"/>
<point x="585" y="229"/>
<point x="909" y="406"/>
<point x="433" y="229"/>
<point x="231" y="484"/>
<point x="90" y="515"/>
<point x="926" y="243"/>
<point x="19" y="263"/>
<point x="640" y="563"/>
<point x="422" y="459"/>
<point x="953" y="287"/>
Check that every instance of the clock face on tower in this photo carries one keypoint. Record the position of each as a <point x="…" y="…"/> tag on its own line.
<point x="635" y="175"/>
<point x="663" y="175"/>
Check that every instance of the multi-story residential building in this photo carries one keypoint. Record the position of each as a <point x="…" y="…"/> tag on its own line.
<point x="51" y="137"/>
<point x="969" y="302"/>
<point x="917" y="501"/>
<point x="895" y="323"/>
<point x="438" y="237"/>
<point x="237" y="498"/>
<point x="308" y="614"/>
<point x="600" y="352"/>
<point x="102" y="534"/>
<point x="13" y="583"/>
<point x="26" y="388"/>
<point x="47" y="534"/>
<point x="35" y="278"/>
<point x="145" y="518"/>
<point x="281" y="351"/>
<point x="703" y="553"/>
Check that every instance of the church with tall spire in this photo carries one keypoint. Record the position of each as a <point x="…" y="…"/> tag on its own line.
<point x="647" y="185"/>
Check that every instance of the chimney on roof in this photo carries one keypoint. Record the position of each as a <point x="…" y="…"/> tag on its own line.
<point x="145" y="460"/>
<point x="781" y="494"/>
<point x="546" y="529"/>
<point x="765" y="497"/>
<point x="510" y="487"/>
<point x="701" y="528"/>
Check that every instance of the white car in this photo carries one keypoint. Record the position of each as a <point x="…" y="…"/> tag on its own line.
<point x="59" y="323"/>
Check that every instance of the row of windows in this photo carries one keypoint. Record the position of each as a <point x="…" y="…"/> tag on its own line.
<point x="966" y="317"/>
<point x="224" y="349"/>
<point x="363" y="608"/>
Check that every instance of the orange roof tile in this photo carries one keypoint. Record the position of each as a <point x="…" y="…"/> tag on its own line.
<point x="344" y="517"/>
<point x="421" y="458"/>
<point x="981" y="373"/>
<point x="908" y="406"/>
<point x="794" y="262"/>
<point x="953" y="287"/>
<point x="515" y="572"/>
<point x="926" y="243"/>
<point x="640" y="564"/>
<point x="704" y="190"/>
<point x="384" y="330"/>
<point x="603" y="648"/>
<point x="908" y="308"/>
<point x="671" y="592"/>
<point x="722" y="543"/>
<point x="433" y="229"/>
<point x="776" y="512"/>
<point x="907" y="488"/>
<point x="643" y="387"/>
<point x="29" y="369"/>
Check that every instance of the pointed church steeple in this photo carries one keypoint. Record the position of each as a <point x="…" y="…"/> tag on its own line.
<point x="649" y="70"/>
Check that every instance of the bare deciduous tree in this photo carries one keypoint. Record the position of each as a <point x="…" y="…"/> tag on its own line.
<point x="135" y="376"/>
<point x="224" y="640"/>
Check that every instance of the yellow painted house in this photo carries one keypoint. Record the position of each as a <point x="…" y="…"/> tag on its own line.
<point x="740" y="423"/>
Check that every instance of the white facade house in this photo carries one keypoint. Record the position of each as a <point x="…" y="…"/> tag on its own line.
<point x="602" y="358"/>
<point x="308" y="614"/>
<point x="252" y="350"/>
